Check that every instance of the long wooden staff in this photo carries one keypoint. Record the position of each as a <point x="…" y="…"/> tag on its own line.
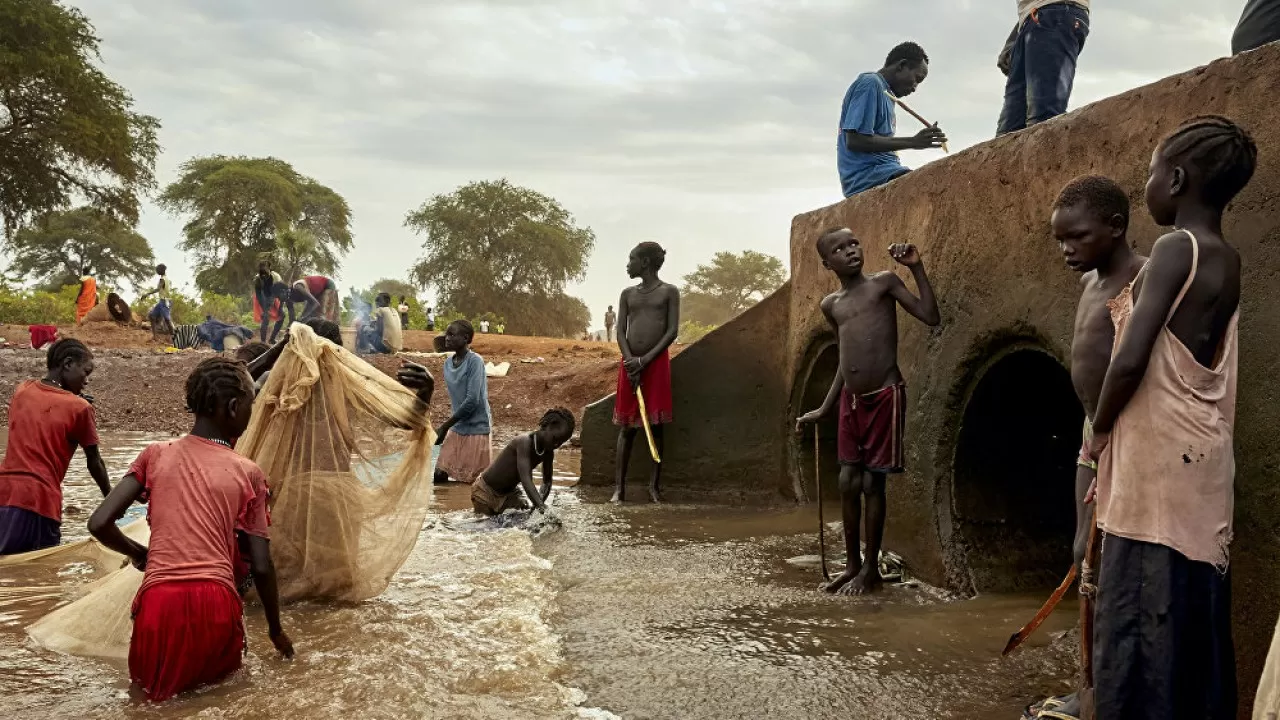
<point x="1088" y="596"/>
<point x="1045" y="610"/>
<point x="822" y="525"/>
<point x="644" y="418"/>
<point x="913" y="114"/>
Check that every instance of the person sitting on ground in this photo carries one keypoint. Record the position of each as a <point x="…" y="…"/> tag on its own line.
<point x="466" y="449"/>
<point x="48" y="419"/>
<point x="382" y="334"/>
<point x="264" y="298"/>
<point x="869" y="391"/>
<point x="1039" y="60"/>
<point x="160" y="315"/>
<point x="495" y="490"/>
<point x="1163" y="440"/>
<point x="87" y="298"/>
<point x="203" y="501"/>
<point x="866" y="149"/>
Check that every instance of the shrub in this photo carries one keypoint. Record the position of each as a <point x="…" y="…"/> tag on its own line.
<point x="692" y="331"/>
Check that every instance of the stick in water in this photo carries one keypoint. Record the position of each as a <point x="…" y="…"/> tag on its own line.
<point x="1045" y="610"/>
<point x="644" y="418"/>
<point x="822" y="525"/>
<point x="913" y="114"/>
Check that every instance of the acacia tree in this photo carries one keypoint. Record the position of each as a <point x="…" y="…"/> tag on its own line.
<point x="67" y="131"/>
<point x="494" y="247"/>
<point x="720" y="290"/>
<point x="56" y="246"/>
<point x="242" y="210"/>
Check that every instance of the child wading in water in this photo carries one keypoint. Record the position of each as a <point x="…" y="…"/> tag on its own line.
<point x="495" y="491"/>
<point x="466" y="451"/>
<point x="648" y="320"/>
<point x="48" y="419"/>
<point x="203" y="500"/>
<point x="1163" y="440"/>
<point x="869" y="389"/>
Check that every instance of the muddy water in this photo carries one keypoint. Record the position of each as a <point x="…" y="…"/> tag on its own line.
<point x="642" y="611"/>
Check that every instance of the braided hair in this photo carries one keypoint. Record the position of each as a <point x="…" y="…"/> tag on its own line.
<point x="66" y="349"/>
<point x="557" y="414"/>
<point x="1222" y="152"/>
<point x="653" y="252"/>
<point x="215" y="382"/>
<point x="326" y="329"/>
<point x="250" y="351"/>
<point x="1098" y="194"/>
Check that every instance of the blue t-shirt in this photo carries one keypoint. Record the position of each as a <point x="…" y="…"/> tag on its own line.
<point x="868" y="111"/>
<point x="468" y="394"/>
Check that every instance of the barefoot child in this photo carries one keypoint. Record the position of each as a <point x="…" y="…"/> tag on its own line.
<point x="48" y="418"/>
<point x="201" y="496"/>
<point x="1163" y="440"/>
<point x="869" y="389"/>
<point x="648" y="320"/>
<point x="466" y="451"/>
<point x="495" y="491"/>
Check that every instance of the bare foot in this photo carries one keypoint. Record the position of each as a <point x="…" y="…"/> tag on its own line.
<point x="865" y="582"/>
<point x="655" y="495"/>
<point x="843" y="579"/>
<point x="617" y="497"/>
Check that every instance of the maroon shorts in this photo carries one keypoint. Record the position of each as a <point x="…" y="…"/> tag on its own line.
<point x="872" y="428"/>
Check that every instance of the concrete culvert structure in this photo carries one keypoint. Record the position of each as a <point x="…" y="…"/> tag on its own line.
<point x="1013" y="473"/>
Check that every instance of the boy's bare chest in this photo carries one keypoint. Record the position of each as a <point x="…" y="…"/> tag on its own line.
<point x="862" y="307"/>
<point x="652" y="301"/>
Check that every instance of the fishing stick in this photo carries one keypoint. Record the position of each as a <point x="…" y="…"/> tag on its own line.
<point x="1088" y="594"/>
<point x="648" y="433"/>
<point x="822" y="526"/>
<point x="913" y="114"/>
<point x="1045" y="610"/>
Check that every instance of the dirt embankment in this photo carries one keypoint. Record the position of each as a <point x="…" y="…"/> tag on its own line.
<point x="137" y="386"/>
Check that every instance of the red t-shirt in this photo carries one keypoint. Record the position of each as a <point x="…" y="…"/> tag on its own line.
<point x="316" y="284"/>
<point x="199" y="493"/>
<point x="45" y="426"/>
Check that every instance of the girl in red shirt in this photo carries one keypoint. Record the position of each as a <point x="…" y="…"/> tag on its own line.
<point x="204" y="501"/>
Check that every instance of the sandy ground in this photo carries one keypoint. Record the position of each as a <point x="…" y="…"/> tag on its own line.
<point x="139" y="387"/>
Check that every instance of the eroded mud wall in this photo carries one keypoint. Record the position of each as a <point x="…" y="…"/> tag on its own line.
<point x="981" y="219"/>
<point x="730" y="414"/>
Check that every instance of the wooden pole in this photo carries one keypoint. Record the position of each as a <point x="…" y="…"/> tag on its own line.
<point x="648" y="433"/>
<point x="822" y="525"/>
<point x="913" y="114"/>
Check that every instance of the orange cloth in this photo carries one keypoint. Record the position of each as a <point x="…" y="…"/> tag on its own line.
<point x="257" y="309"/>
<point x="88" y="297"/>
<point x="198" y="494"/>
<point x="45" y="426"/>
<point x="1167" y="475"/>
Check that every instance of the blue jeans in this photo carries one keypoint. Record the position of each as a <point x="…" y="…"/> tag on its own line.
<point x="1042" y="67"/>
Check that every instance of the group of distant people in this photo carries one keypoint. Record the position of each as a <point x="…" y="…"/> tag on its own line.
<point x="1038" y="60"/>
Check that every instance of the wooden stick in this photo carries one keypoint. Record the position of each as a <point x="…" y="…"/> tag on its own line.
<point x="822" y="525"/>
<point x="1017" y="638"/>
<point x="913" y="114"/>
<point x="1088" y="591"/>
<point x="648" y="433"/>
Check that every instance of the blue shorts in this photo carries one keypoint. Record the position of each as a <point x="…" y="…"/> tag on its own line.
<point x="161" y="310"/>
<point x="22" y="530"/>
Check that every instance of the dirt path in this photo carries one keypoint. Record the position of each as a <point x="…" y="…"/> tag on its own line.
<point x="139" y="387"/>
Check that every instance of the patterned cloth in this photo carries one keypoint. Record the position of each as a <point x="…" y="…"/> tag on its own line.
<point x="187" y="337"/>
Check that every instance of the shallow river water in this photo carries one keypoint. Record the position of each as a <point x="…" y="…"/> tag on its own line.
<point x="639" y="612"/>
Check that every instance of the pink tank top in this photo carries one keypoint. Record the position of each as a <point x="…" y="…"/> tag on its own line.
<point x="1168" y="474"/>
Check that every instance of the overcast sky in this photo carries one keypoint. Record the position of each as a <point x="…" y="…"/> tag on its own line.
<point x="703" y="125"/>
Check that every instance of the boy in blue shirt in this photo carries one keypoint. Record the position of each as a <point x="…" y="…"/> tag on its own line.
<point x="866" y="150"/>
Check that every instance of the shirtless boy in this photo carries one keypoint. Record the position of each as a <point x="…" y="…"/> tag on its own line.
<point x="648" y="319"/>
<point x="869" y="389"/>
<point x="495" y="491"/>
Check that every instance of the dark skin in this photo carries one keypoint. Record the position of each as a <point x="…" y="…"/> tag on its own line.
<point x="73" y="376"/>
<point x="514" y="466"/>
<point x="300" y="294"/>
<point x="1099" y="248"/>
<point x="165" y="327"/>
<point x="281" y="292"/>
<point x="226" y="424"/>
<point x="864" y="316"/>
<point x="1175" y="197"/>
<point x="413" y="376"/>
<point x="903" y="78"/>
<point x="648" y="320"/>
<point x="456" y="342"/>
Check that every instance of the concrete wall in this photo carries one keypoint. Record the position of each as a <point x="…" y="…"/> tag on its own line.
<point x="981" y="220"/>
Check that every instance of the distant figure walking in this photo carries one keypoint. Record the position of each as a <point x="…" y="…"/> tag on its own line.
<point x="610" y="319"/>
<point x="1259" y="24"/>
<point x="1039" y="58"/>
<point x="484" y="326"/>
<point x="431" y="319"/>
<point x="403" y="308"/>
<point x="160" y="316"/>
<point x="87" y="298"/>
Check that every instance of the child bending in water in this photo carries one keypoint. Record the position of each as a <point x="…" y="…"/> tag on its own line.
<point x="48" y="418"/>
<point x="202" y="497"/>
<point x="466" y="451"/>
<point x="869" y="389"/>
<point x="494" y="491"/>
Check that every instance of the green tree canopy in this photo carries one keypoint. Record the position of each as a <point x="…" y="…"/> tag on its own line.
<point x="242" y="210"/>
<point x="722" y="289"/>
<point x="67" y="131"/>
<point x="56" y="246"/>
<point x="494" y="247"/>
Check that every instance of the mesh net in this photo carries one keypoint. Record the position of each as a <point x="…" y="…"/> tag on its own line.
<point x="347" y="455"/>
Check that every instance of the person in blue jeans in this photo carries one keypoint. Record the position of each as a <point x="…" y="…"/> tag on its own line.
<point x="866" y="149"/>
<point x="1040" y="61"/>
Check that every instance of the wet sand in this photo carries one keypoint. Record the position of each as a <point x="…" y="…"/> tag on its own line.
<point x="639" y="611"/>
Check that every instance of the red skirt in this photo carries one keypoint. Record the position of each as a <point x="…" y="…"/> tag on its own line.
<point x="185" y="634"/>
<point x="655" y="382"/>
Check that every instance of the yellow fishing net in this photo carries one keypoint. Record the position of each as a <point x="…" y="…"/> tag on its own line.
<point x="347" y="455"/>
